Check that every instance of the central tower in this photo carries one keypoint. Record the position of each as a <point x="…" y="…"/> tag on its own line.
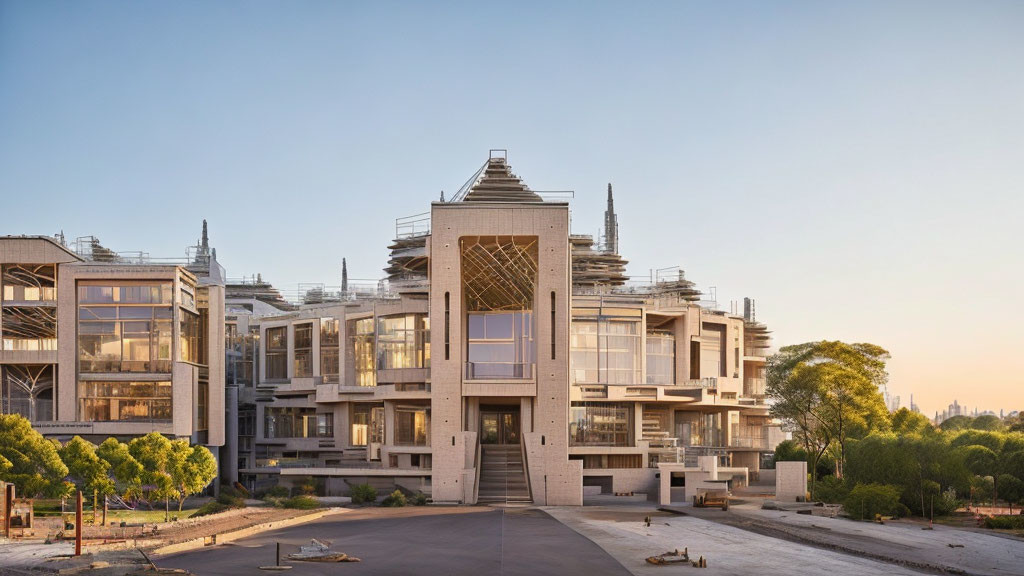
<point x="499" y="306"/>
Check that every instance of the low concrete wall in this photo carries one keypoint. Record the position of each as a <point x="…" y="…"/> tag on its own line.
<point x="790" y="481"/>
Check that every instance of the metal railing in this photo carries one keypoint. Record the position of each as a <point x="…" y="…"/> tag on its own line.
<point x="499" y="370"/>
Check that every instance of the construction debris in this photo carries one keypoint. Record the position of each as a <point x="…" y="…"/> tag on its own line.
<point x="318" y="551"/>
<point x="677" y="557"/>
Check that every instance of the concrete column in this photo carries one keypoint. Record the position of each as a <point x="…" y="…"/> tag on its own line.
<point x="230" y="468"/>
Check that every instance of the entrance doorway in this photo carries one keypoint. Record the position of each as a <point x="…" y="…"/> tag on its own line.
<point x="499" y="425"/>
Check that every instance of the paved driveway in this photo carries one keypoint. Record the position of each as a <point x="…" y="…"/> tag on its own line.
<point x="431" y="541"/>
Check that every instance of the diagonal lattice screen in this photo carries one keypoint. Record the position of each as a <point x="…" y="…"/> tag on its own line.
<point x="499" y="272"/>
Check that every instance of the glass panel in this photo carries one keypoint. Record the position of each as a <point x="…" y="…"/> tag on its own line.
<point x="600" y="424"/>
<point x="661" y="358"/>
<point x="605" y="351"/>
<point x="277" y="353"/>
<point x="489" y="428"/>
<point x="363" y="352"/>
<point x="507" y="348"/>
<point x="126" y="401"/>
<point x="303" y="350"/>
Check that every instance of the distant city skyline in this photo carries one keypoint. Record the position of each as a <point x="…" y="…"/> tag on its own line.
<point x="864" y="159"/>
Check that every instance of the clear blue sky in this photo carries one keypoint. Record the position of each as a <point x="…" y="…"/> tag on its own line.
<point x="857" y="168"/>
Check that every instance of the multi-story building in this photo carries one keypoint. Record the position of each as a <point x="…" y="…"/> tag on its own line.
<point x="505" y="358"/>
<point x="98" y="344"/>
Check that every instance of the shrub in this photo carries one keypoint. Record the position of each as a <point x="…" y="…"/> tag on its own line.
<point x="1005" y="522"/>
<point x="209" y="508"/>
<point x="363" y="494"/>
<point x="305" y="485"/>
<point x="831" y="490"/>
<point x="394" y="500"/>
<point x="866" y="501"/>
<point x="420" y="499"/>
<point x="276" y="492"/>
<point x="301" y="502"/>
<point x="230" y="499"/>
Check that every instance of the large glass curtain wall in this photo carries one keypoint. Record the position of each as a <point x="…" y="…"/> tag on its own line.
<point x="403" y="342"/>
<point x="125" y="328"/>
<point x="605" y="350"/>
<point x="600" y="424"/>
<point x="501" y="345"/>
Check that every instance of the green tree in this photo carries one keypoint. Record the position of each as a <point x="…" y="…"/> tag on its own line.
<point x="85" y="469"/>
<point x="34" y="468"/>
<point x="988" y="422"/>
<point x="153" y="451"/>
<point x="985" y="463"/>
<point x="992" y="440"/>
<point x="1012" y="489"/>
<point x="1015" y="423"/>
<point x="956" y="423"/>
<point x="125" y="470"/>
<point x="829" y="391"/>
<point x="192" y="468"/>
<point x="905" y="421"/>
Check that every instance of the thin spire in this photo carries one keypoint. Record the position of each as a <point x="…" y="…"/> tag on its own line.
<point x="344" y="276"/>
<point x="611" y="225"/>
<point x="205" y="242"/>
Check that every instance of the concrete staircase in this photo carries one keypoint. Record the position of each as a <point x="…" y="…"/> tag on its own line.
<point x="502" y="474"/>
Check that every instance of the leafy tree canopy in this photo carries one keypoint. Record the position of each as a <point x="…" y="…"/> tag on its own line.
<point x="32" y="463"/>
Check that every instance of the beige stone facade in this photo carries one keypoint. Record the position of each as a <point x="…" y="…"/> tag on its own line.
<point x="506" y="359"/>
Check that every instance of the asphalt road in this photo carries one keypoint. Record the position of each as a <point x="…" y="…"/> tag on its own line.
<point x="492" y="542"/>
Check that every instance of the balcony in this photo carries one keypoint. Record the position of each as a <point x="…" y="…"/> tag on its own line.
<point x="755" y="442"/>
<point x="500" y="371"/>
<point x="754" y="387"/>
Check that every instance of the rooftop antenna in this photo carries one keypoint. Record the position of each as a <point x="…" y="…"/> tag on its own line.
<point x="442" y="195"/>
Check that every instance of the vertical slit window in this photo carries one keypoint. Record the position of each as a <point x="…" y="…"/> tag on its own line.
<point x="447" y="325"/>
<point x="552" y="324"/>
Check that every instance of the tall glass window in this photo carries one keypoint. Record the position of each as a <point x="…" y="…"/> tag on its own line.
<point x="363" y="345"/>
<point x="699" y="429"/>
<point x="412" y="425"/>
<point x="605" y="350"/>
<point x="329" y="349"/>
<point x="277" y="353"/>
<point x="661" y="357"/>
<point x="124" y="328"/>
<point x="501" y="345"/>
<point x="124" y="401"/>
<point x="303" y="350"/>
<point x="403" y="342"/>
<point x="600" y="424"/>
<point x="189" y="337"/>
<point x="367" y="424"/>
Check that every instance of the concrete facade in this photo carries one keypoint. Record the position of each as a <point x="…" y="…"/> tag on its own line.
<point x="610" y="380"/>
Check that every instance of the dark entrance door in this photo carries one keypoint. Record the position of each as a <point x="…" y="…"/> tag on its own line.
<point x="499" y="426"/>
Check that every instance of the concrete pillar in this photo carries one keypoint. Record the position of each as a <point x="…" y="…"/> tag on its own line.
<point x="230" y="468"/>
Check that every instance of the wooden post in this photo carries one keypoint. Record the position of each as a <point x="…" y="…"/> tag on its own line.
<point x="95" y="505"/>
<point x="78" y="524"/>
<point x="277" y="562"/>
<point x="8" y="508"/>
<point x="104" y="510"/>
